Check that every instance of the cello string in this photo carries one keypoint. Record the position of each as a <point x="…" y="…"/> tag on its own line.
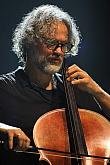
<point x="72" y="130"/>
<point x="70" y="121"/>
<point x="76" y="121"/>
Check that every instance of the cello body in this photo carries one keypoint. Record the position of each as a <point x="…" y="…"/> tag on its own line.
<point x="50" y="132"/>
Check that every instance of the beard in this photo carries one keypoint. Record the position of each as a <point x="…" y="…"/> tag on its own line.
<point x="48" y="64"/>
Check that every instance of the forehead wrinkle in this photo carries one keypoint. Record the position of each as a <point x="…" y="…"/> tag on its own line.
<point x="57" y="30"/>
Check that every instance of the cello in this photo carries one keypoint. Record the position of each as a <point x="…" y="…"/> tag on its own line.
<point x="72" y="136"/>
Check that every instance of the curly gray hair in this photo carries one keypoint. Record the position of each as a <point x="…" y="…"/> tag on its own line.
<point x="36" y="24"/>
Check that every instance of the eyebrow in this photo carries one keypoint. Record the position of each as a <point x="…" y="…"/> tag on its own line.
<point x="58" y="41"/>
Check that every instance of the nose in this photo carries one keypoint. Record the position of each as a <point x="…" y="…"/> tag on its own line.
<point x="58" y="50"/>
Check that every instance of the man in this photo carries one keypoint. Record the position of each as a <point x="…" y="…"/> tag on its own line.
<point x="41" y="41"/>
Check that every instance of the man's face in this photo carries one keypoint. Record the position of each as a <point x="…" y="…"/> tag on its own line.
<point x="50" y="60"/>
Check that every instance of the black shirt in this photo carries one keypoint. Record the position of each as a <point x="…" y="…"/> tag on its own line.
<point x="22" y="103"/>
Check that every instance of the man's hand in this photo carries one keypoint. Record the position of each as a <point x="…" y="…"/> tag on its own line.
<point x="80" y="78"/>
<point x="22" y="141"/>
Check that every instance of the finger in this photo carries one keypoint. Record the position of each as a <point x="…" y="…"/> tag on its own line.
<point x="78" y="81"/>
<point x="73" y="72"/>
<point x="76" y="75"/>
<point x="20" y="143"/>
<point x="73" y="68"/>
<point x="10" y="141"/>
<point x="23" y="141"/>
<point x="26" y="144"/>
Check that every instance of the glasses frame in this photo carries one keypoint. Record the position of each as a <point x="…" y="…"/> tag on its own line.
<point x="51" y="42"/>
<point x="63" y="47"/>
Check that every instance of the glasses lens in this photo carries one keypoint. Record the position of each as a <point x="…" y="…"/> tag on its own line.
<point x="66" y="47"/>
<point x="51" y="44"/>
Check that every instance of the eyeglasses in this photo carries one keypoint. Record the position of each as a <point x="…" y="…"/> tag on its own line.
<point x="53" y="45"/>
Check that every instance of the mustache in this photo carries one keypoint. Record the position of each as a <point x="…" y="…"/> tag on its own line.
<point x="57" y="56"/>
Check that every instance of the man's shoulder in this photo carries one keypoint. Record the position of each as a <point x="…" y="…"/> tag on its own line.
<point x="9" y="78"/>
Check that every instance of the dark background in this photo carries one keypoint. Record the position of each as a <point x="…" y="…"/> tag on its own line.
<point x="92" y="18"/>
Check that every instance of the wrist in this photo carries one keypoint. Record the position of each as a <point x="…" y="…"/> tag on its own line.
<point x="99" y="93"/>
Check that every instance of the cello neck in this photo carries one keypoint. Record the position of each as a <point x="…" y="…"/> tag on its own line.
<point x="75" y="130"/>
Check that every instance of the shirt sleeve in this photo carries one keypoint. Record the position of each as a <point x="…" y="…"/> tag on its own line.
<point x="87" y="101"/>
